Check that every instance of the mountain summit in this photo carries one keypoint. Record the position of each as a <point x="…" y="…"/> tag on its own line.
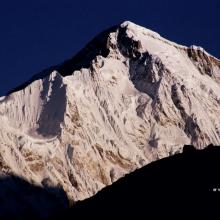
<point x="128" y="98"/>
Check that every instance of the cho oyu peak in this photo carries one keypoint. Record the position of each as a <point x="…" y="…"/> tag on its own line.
<point x="128" y="98"/>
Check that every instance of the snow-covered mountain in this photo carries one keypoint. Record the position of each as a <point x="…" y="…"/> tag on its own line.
<point x="128" y="98"/>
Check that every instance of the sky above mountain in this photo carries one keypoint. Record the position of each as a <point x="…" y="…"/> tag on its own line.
<point x="37" y="34"/>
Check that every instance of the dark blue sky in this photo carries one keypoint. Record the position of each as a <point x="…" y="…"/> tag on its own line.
<point x="37" y="34"/>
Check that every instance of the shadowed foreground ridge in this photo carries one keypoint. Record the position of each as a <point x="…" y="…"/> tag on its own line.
<point x="181" y="182"/>
<point x="21" y="200"/>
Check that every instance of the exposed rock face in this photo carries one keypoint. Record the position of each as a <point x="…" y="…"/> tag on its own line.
<point x="129" y="98"/>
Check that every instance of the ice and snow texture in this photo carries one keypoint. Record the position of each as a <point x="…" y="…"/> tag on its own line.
<point x="140" y="102"/>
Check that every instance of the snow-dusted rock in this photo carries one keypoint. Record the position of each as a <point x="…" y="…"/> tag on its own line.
<point x="128" y="98"/>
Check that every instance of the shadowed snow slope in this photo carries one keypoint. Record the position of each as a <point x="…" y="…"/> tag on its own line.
<point x="128" y="98"/>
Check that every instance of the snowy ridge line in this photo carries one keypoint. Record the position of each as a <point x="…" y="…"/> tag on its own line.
<point x="133" y="28"/>
<point x="157" y="36"/>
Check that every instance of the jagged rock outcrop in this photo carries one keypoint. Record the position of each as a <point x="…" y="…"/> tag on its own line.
<point x="129" y="98"/>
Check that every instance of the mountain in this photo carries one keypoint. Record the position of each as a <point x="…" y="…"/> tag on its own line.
<point x="128" y="98"/>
